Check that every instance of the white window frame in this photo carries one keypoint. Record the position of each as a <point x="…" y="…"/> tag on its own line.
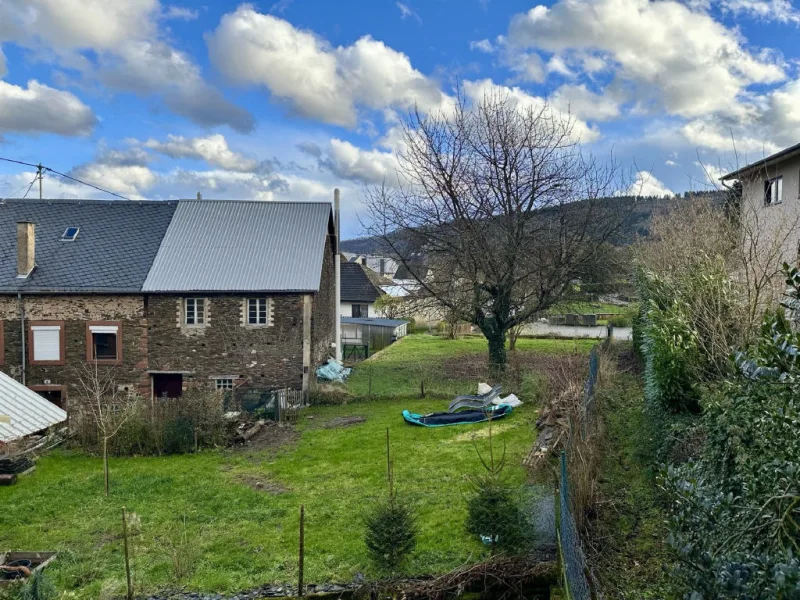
<point x="773" y="191"/>
<point x="197" y="320"/>
<point x="224" y="384"/>
<point x="110" y="329"/>
<point x="262" y="311"/>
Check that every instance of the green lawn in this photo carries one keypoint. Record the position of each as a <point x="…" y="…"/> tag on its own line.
<point x="245" y="537"/>
<point x="448" y="367"/>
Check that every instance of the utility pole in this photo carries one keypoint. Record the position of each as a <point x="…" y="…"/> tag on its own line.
<point x="39" y="173"/>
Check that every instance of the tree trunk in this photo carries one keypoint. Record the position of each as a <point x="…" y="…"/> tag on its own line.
<point x="105" y="464"/>
<point x="497" y="351"/>
<point x="513" y="334"/>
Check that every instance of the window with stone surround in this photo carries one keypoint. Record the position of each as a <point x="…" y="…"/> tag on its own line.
<point x="46" y="342"/>
<point x="104" y="342"/>
<point x="223" y="383"/>
<point x="194" y="311"/>
<point x="258" y="311"/>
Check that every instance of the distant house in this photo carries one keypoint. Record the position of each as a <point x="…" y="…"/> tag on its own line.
<point x="770" y="201"/>
<point x="170" y="295"/>
<point x="382" y="265"/>
<point x="358" y="292"/>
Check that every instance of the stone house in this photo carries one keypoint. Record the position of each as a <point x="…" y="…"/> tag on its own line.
<point x="168" y="295"/>
<point x="358" y="292"/>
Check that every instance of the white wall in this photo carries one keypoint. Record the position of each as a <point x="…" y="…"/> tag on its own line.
<point x="347" y="309"/>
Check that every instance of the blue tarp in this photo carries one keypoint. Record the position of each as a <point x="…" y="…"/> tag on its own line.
<point x="465" y="417"/>
<point x="333" y="371"/>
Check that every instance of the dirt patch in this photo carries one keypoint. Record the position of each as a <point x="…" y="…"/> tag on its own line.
<point x="272" y="436"/>
<point x="343" y="422"/>
<point x="261" y="484"/>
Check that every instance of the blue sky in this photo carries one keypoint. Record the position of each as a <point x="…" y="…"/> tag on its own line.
<point x="289" y="99"/>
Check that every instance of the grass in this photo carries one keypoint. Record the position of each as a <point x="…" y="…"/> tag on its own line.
<point x="242" y="534"/>
<point x="630" y="523"/>
<point x="398" y="370"/>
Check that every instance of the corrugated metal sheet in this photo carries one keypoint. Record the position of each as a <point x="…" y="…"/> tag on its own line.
<point x="29" y="412"/>
<point x="235" y="245"/>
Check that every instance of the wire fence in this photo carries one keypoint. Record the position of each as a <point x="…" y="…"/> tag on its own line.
<point x="574" y="566"/>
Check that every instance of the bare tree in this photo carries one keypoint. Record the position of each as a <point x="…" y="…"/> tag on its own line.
<point x="505" y="206"/>
<point x="109" y="408"/>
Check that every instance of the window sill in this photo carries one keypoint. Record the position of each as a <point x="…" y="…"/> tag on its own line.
<point x="257" y="325"/>
<point x="46" y="363"/>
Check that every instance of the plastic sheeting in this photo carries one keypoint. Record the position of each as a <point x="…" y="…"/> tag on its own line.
<point x="333" y="371"/>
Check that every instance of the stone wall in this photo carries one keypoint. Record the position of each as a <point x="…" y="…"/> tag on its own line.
<point x="264" y="355"/>
<point x="323" y="310"/>
<point x="75" y="311"/>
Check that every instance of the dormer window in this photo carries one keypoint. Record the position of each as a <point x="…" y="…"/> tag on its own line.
<point x="70" y="233"/>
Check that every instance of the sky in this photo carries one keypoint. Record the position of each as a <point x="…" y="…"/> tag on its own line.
<point x="288" y="99"/>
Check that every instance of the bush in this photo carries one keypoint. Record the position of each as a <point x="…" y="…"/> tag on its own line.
<point x="391" y="532"/>
<point x="166" y="425"/>
<point x="38" y="587"/>
<point x="621" y="320"/>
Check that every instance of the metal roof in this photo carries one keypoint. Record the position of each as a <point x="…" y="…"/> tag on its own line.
<point x="115" y="246"/>
<point x="378" y="322"/>
<point x="240" y="245"/>
<point x="29" y="412"/>
<point x="356" y="285"/>
<point x="784" y="154"/>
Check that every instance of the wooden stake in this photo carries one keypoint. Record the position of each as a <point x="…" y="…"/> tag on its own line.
<point x="369" y="392"/>
<point x="105" y="465"/>
<point x="421" y="388"/>
<point x="302" y="551"/>
<point x="127" y="559"/>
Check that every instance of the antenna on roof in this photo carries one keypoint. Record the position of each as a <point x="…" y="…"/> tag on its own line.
<point x="199" y="196"/>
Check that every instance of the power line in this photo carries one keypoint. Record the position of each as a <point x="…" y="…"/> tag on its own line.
<point x="31" y="185"/>
<point x="41" y="169"/>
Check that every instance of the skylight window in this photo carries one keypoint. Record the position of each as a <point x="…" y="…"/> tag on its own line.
<point x="70" y="233"/>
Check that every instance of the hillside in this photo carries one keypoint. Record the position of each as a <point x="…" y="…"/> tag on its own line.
<point x="637" y="225"/>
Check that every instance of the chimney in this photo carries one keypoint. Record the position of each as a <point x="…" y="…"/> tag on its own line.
<point x="199" y="196"/>
<point x="26" y="248"/>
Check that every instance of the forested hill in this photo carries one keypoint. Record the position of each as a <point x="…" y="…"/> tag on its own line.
<point x="636" y="226"/>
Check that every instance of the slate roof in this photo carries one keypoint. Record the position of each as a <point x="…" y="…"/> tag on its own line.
<point x="112" y="253"/>
<point x="356" y="285"/>
<point x="29" y="412"/>
<point x="236" y="245"/>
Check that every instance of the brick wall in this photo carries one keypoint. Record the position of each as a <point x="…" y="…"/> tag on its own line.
<point x="267" y="356"/>
<point x="323" y="310"/>
<point x="75" y="311"/>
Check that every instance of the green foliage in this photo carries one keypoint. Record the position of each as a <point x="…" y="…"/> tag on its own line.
<point x="38" y="587"/>
<point x="390" y="532"/>
<point x="735" y="511"/>
<point x="494" y="513"/>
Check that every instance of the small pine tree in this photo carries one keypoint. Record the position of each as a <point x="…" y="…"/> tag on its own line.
<point x="391" y="526"/>
<point x="38" y="588"/>
<point x="493" y="513"/>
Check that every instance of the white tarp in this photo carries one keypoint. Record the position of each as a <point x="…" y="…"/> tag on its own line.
<point x="26" y="410"/>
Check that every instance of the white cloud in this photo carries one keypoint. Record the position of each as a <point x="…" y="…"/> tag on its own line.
<point x="583" y="103"/>
<point x="120" y="44"/>
<point x="670" y="163"/>
<point x="219" y="183"/>
<point x="180" y="13"/>
<point x="646" y="184"/>
<point x="313" y="78"/>
<point x="675" y="58"/>
<point x="477" y="90"/>
<point x="711" y="173"/>
<point x="406" y="11"/>
<point x="128" y="180"/>
<point x="39" y="108"/>
<point x="764" y="10"/>
<point x="483" y="45"/>
<point x="211" y="148"/>
<point x="347" y="161"/>
<point x="75" y="24"/>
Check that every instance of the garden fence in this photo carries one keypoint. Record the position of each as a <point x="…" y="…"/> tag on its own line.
<point x="575" y="570"/>
<point x="276" y="405"/>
